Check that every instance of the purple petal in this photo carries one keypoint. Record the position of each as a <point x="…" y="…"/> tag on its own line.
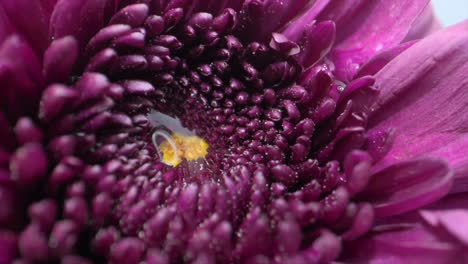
<point x="328" y="245"/>
<point x="446" y="219"/>
<point x="316" y="42"/>
<point x="65" y="18"/>
<point x="373" y="26"/>
<point x="127" y="250"/>
<point x="26" y="131"/>
<point x="280" y="43"/>
<point x="377" y="62"/>
<point x="455" y="222"/>
<point x="405" y="244"/>
<point x="20" y="75"/>
<point x="138" y="87"/>
<point x="55" y="99"/>
<point x="424" y="98"/>
<point x="91" y="86"/>
<point x="426" y="24"/>
<point x="78" y="18"/>
<point x="105" y="35"/>
<point x="32" y="244"/>
<point x="28" y="165"/>
<point x="295" y="29"/>
<point x="30" y="18"/>
<point x="59" y="59"/>
<point x="92" y="18"/>
<point x="408" y="185"/>
<point x="362" y="223"/>
<point x="19" y="53"/>
<point x="133" y="15"/>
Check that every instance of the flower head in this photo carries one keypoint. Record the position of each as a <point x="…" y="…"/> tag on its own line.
<point x="257" y="131"/>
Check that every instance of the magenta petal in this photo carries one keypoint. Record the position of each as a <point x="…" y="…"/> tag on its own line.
<point x="59" y="59"/>
<point x="28" y="165"/>
<point x="454" y="221"/>
<point x="56" y="99"/>
<point x="295" y="29"/>
<point x="65" y="18"/>
<point x="377" y="62"/>
<point x="406" y="245"/>
<point x="92" y="18"/>
<point x="78" y="18"/>
<point x="19" y="53"/>
<point x="408" y="185"/>
<point x="374" y="26"/>
<point x="426" y="24"/>
<point x="424" y="99"/>
<point x="133" y="15"/>
<point x="20" y="76"/>
<point x="30" y="18"/>
<point x="316" y="42"/>
<point x="362" y="223"/>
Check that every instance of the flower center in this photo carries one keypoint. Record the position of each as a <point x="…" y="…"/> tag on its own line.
<point x="174" y="143"/>
<point x="179" y="147"/>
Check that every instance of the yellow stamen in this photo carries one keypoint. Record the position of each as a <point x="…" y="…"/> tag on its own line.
<point x="178" y="147"/>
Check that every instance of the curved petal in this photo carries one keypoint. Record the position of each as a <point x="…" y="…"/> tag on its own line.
<point x="448" y="218"/>
<point x="30" y="19"/>
<point x="458" y="201"/>
<point x="20" y="76"/>
<point x="78" y="18"/>
<point x="59" y="59"/>
<point x="377" y="62"/>
<point x="437" y="234"/>
<point x="65" y="18"/>
<point x="426" y="24"/>
<point x="454" y="222"/>
<point x="424" y="98"/>
<point x="412" y="244"/>
<point x="295" y="29"/>
<point x="407" y="186"/>
<point x="92" y="18"/>
<point x="316" y="42"/>
<point x="373" y="27"/>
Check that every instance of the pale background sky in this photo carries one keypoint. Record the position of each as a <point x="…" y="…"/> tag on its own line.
<point x="450" y="12"/>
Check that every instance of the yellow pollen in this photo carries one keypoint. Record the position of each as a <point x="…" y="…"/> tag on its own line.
<point x="179" y="147"/>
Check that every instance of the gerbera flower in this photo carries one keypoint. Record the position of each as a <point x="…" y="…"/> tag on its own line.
<point x="257" y="131"/>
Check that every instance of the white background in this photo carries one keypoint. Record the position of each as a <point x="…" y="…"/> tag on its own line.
<point x="450" y="12"/>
